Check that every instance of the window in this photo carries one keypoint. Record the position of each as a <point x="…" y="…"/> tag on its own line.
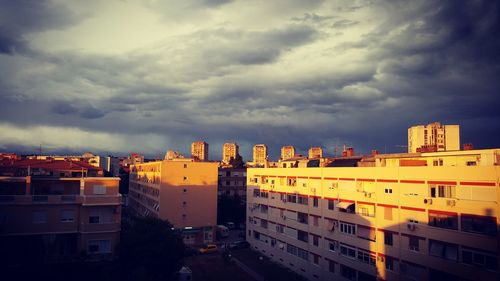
<point x="315" y="240"/>
<point x="280" y="229"/>
<point x="388" y="213"/>
<point x="303" y="200"/>
<point x="100" y="215"/>
<point x="315" y="221"/>
<point x="443" y="250"/>
<point x="347" y="272"/>
<point x="39" y="217"/>
<point x="443" y="220"/>
<point x="292" y="182"/>
<point x="256" y="193"/>
<point x="263" y="223"/>
<point x="348" y="251"/>
<point x="185" y="165"/>
<point x="366" y="257"/>
<point x="315" y="202"/>
<point x="414" y="243"/>
<point x="291" y="198"/>
<point x="99" y="246"/>
<point x="348" y="228"/>
<point x="366" y="210"/>
<point x="302" y="218"/>
<point x="367" y="233"/>
<point x="184" y="190"/>
<point x="332" y="245"/>
<point x="99" y="189"/>
<point x="479" y="259"/>
<point x="388" y="239"/>
<point x="67" y="215"/>
<point x="442" y="191"/>
<point x="388" y="190"/>
<point x="479" y="224"/>
<point x="184" y="178"/>
<point x="291" y="249"/>
<point x="331" y="266"/>
<point x="315" y="259"/>
<point x="471" y="163"/>
<point x="302" y="236"/>
<point x="389" y="263"/>
<point x="303" y="254"/>
<point x="331" y="204"/>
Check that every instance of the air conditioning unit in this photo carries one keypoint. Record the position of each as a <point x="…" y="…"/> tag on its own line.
<point x="428" y="201"/>
<point x="368" y="194"/>
<point x="450" y="203"/>
<point x="313" y="189"/>
<point x="411" y="226"/>
<point x="335" y="223"/>
<point x="380" y="258"/>
<point x="283" y="217"/>
<point x="272" y="185"/>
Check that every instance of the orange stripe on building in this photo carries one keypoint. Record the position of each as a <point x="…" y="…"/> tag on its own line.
<point x="412" y="181"/>
<point x="368" y="180"/>
<point x="386" y="180"/>
<point x="477" y="183"/>
<point x="331" y="179"/>
<point x="366" y="203"/>
<point x="412" y="209"/>
<point x="346" y="179"/>
<point x="386" y="205"/>
<point x="443" y="213"/>
<point x="442" y="182"/>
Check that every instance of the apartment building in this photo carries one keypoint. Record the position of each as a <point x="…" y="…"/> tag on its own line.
<point x="232" y="182"/>
<point x="259" y="154"/>
<point x="229" y="150"/>
<point x="287" y="152"/>
<point x="182" y="191"/>
<point x="385" y="222"/>
<point x="433" y="137"/>
<point x="51" y="219"/>
<point x="199" y="150"/>
<point x="315" y="152"/>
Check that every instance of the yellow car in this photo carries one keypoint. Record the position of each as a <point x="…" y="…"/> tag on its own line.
<point x="210" y="248"/>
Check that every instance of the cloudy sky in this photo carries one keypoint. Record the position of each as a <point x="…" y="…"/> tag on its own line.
<point x="115" y="77"/>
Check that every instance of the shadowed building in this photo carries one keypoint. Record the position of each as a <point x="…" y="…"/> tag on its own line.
<point x="229" y="150"/>
<point x="182" y="191"/>
<point x="199" y="150"/>
<point x="419" y="216"/>
<point x="433" y="137"/>
<point x="51" y="219"/>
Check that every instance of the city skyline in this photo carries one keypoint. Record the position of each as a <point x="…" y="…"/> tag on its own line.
<point x="117" y="77"/>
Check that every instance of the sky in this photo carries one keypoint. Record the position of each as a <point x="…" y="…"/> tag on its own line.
<point x="115" y="77"/>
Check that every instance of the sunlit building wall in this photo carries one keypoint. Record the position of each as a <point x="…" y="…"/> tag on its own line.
<point x="388" y="222"/>
<point x="60" y="217"/>
<point x="199" y="150"/>
<point x="434" y="137"/>
<point x="259" y="154"/>
<point x="315" y="152"/>
<point x="182" y="191"/>
<point x="229" y="150"/>
<point x="287" y="152"/>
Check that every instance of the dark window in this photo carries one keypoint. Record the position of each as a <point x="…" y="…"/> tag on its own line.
<point x="331" y="266"/>
<point x="348" y="272"/>
<point x="443" y="221"/>
<point x="414" y="243"/>
<point x="388" y="238"/>
<point x="93" y="219"/>
<point x="478" y="224"/>
<point x="302" y="236"/>
<point x="331" y="204"/>
<point x="315" y="240"/>
<point x="315" y="202"/>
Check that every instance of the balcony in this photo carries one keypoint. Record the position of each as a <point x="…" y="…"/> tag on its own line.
<point x="40" y="199"/>
<point x="102" y="200"/>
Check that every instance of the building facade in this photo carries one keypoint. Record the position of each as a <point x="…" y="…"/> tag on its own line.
<point x="433" y="137"/>
<point x="199" y="150"/>
<point x="259" y="154"/>
<point x="229" y="150"/>
<point x="53" y="219"/>
<point x="315" y="152"/>
<point x="182" y="191"/>
<point x="287" y="152"/>
<point x="386" y="222"/>
<point x="232" y="182"/>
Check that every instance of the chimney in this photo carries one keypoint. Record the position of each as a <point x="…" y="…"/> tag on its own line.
<point x="468" y="146"/>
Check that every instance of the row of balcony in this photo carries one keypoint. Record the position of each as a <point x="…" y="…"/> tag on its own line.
<point x="60" y="199"/>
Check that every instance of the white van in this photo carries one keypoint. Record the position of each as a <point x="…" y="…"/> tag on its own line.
<point x="223" y="231"/>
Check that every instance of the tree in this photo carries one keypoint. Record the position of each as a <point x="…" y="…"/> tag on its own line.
<point x="237" y="162"/>
<point x="149" y="250"/>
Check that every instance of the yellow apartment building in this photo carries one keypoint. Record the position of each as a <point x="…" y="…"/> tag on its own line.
<point x="259" y="154"/>
<point x="315" y="152"/>
<point x="287" y="152"/>
<point x="59" y="218"/>
<point x="199" y="150"/>
<point x="434" y="136"/>
<point x="385" y="222"/>
<point x="182" y="191"/>
<point x="229" y="150"/>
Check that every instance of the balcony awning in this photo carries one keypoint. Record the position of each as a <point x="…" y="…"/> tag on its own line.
<point x="344" y="205"/>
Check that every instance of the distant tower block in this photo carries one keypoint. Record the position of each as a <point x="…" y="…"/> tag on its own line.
<point x="260" y="153"/>
<point x="315" y="152"/>
<point x="287" y="152"/>
<point x="433" y="137"/>
<point x="199" y="150"/>
<point x="229" y="150"/>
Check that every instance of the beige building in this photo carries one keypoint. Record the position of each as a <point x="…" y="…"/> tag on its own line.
<point x="259" y="154"/>
<point x="315" y="152"/>
<point x="391" y="221"/>
<point x="199" y="150"/>
<point x="433" y="137"/>
<point x="287" y="152"/>
<point x="182" y="191"/>
<point x="59" y="217"/>
<point x="229" y="150"/>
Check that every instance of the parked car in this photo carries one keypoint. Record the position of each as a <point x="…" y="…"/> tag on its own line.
<point x="230" y="225"/>
<point x="239" y="245"/>
<point x="210" y="248"/>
